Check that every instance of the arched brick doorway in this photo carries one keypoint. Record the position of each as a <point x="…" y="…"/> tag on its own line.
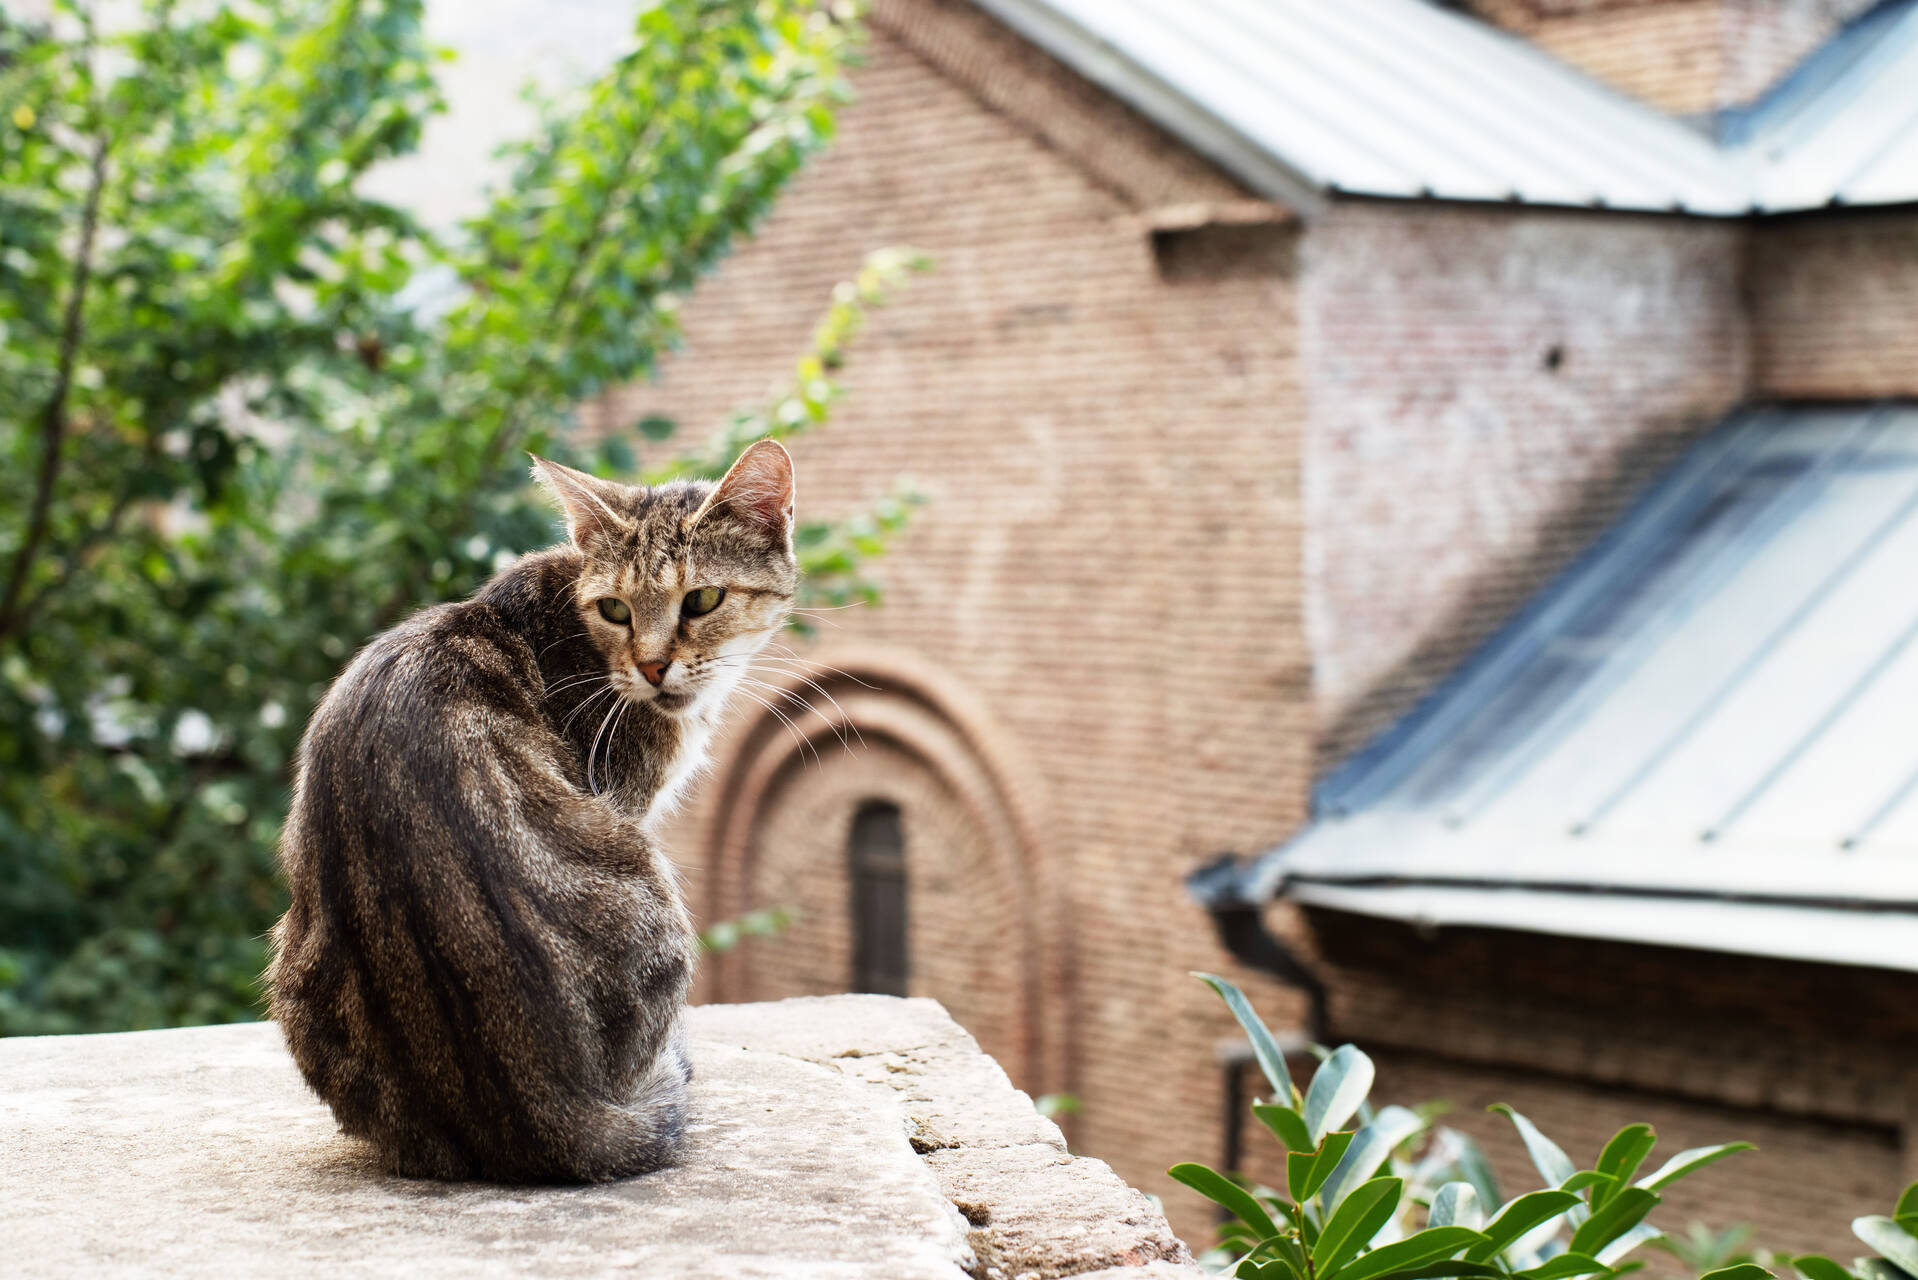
<point x="981" y="906"/>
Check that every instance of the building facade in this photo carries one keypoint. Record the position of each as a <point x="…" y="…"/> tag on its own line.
<point x="1220" y="486"/>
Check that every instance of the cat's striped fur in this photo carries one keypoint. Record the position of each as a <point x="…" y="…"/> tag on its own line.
<point x="484" y="963"/>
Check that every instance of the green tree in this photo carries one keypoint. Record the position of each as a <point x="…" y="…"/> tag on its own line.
<point x="248" y="416"/>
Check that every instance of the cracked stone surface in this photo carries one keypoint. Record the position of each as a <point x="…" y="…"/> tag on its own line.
<point x="1032" y="1209"/>
<point x="851" y="1136"/>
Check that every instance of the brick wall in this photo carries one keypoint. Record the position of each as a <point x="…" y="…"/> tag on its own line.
<point x="1834" y="302"/>
<point x="1766" y="39"/>
<point x="1091" y="662"/>
<point x="1687" y="57"/>
<point x="1108" y="565"/>
<point x="1812" y="1062"/>
<point x="1485" y="386"/>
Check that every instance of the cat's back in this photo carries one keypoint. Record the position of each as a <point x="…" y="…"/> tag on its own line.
<point x="452" y="666"/>
<point x="429" y="734"/>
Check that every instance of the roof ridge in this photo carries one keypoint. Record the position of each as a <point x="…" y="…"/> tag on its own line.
<point x="1498" y="120"/>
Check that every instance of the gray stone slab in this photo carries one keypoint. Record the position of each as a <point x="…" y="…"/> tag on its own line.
<point x="831" y="1139"/>
<point x="1036" y="1211"/>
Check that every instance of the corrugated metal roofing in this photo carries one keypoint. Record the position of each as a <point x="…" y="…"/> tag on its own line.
<point x="1843" y="129"/>
<point x="1704" y="734"/>
<point x="1302" y="99"/>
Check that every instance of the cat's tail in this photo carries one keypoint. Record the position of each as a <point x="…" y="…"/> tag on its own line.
<point x="645" y="1132"/>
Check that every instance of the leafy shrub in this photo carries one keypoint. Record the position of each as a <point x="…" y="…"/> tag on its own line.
<point x="1894" y="1238"/>
<point x="249" y="416"/>
<point x="1701" y="1249"/>
<point x="1352" y="1197"/>
<point x="723" y="935"/>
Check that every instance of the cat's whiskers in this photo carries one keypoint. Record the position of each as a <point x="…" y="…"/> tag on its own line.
<point x="793" y="656"/>
<point x="838" y="727"/>
<point x="587" y="702"/>
<point x="576" y="681"/>
<point x="811" y="613"/>
<point x="799" y="665"/>
<point x="612" y="739"/>
<point x="803" y="742"/>
<point x="821" y="690"/>
<point x="594" y="749"/>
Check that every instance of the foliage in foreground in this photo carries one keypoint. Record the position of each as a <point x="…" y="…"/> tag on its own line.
<point x="1894" y="1241"/>
<point x="1351" y="1205"/>
<point x="249" y="417"/>
<point x="1353" y="1196"/>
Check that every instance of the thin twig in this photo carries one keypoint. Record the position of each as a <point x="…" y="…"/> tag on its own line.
<point x="53" y="416"/>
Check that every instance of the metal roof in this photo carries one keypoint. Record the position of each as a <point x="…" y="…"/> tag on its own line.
<point x="1843" y="128"/>
<point x="1302" y="99"/>
<point x="1703" y="734"/>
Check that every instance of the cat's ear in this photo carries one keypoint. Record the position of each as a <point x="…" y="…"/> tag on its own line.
<point x="758" y="487"/>
<point x="585" y="500"/>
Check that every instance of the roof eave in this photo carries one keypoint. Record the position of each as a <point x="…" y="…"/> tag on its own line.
<point x="1111" y="69"/>
<point x="1807" y="933"/>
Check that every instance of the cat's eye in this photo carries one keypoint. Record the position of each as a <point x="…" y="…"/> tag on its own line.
<point x="614" y="611"/>
<point x="702" y="601"/>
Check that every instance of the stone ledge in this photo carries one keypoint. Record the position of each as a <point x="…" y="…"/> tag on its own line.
<point x="847" y="1136"/>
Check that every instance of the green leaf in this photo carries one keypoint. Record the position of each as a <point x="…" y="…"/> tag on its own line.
<point x="1475" y="1169"/>
<point x="1371" y="1147"/>
<point x="1620" y="1160"/>
<point x="1221" y="1190"/>
<point x="1285" y="1250"/>
<point x="1276" y="1269"/>
<point x="1306" y="1171"/>
<point x="1630" y="1240"/>
<point x="1456" y="1205"/>
<point x="1286" y="1124"/>
<point x="1451" y="1267"/>
<point x="1264" y="1047"/>
<point x="1338" y="1087"/>
<point x="1907" y="1203"/>
<point x="655" y="427"/>
<point x="1354" y="1223"/>
<point x="1624" y="1212"/>
<point x="1331" y="1151"/>
<point x="1430" y="1245"/>
<point x="1587" y="1178"/>
<point x="1564" y="1266"/>
<point x="1690" y="1161"/>
<point x="616" y="456"/>
<point x="1551" y="1162"/>
<point x="1896" y="1244"/>
<point x="1530" y="1210"/>
<point x="1816" y="1266"/>
<point x="1298" y="1171"/>
<point x="1739" y="1271"/>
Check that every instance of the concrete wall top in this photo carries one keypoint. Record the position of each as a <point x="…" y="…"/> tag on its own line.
<point x="845" y="1137"/>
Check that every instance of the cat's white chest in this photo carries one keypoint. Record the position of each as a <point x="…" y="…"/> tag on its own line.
<point x="694" y="736"/>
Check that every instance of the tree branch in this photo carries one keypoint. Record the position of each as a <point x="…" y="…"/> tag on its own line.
<point x="70" y="560"/>
<point x="53" y="416"/>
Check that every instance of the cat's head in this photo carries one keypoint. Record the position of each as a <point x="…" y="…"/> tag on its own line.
<point x="681" y="584"/>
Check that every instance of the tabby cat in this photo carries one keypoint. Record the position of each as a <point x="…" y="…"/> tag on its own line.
<point x="485" y="960"/>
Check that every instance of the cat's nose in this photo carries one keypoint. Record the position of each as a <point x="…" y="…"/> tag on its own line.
<point x="654" y="671"/>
